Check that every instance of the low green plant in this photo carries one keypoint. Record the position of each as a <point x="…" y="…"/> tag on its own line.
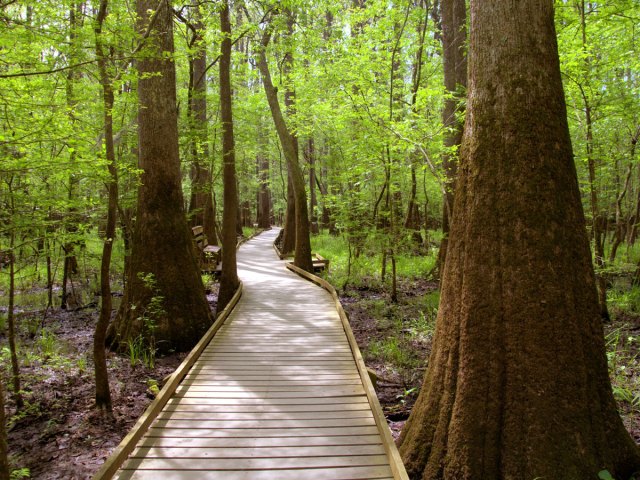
<point x="144" y="347"/>
<point x="20" y="473"/>
<point x="391" y="350"/>
<point x="47" y="343"/>
<point x="623" y="364"/>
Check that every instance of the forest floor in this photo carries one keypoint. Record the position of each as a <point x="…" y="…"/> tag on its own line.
<point x="60" y="435"/>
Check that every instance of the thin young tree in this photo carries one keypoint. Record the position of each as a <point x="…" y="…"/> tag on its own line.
<point x="229" y="277"/>
<point x="5" y="470"/>
<point x="289" y="144"/>
<point x="517" y="385"/>
<point x="103" y="394"/>
<point x="164" y="300"/>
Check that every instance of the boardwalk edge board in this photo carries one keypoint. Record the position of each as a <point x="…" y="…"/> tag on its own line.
<point x="397" y="466"/>
<point x="129" y="442"/>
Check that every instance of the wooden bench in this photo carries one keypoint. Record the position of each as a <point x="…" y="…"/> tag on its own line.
<point x="210" y="255"/>
<point x="320" y="263"/>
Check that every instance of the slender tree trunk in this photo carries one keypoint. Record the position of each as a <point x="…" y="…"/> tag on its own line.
<point x="11" y="324"/>
<point x="596" y="228"/>
<point x="5" y="470"/>
<point x="163" y="265"/>
<point x="503" y="399"/>
<point x="201" y="205"/>
<point x="264" y="194"/>
<point x="229" y="279"/>
<point x="310" y="152"/>
<point x="302" y="257"/>
<point x="71" y="224"/>
<point x="103" y="394"/>
<point x="454" y="38"/>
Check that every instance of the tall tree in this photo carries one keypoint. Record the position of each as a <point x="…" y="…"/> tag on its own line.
<point x="103" y="394"/>
<point x="164" y="297"/>
<point x="201" y="206"/>
<point x="5" y="471"/>
<point x="517" y="383"/>
<point x="288" y="141"/>
<point x="229" y="278"/>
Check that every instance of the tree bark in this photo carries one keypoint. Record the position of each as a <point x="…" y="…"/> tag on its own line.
<point x="229" y="278"/>
<point x="454" y="37"/>
<point x="103" y="394"/>
<point x="517" y="385"/>
<point x="302" y="256"/>
<point x="162" y="244"/>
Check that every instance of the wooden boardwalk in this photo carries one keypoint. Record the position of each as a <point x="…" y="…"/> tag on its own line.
<point x="277" y="394"/>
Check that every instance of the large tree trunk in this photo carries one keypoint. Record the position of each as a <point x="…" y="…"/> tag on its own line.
<point x="454" y="37"/>
<point x="103" y="394"/>
<point x="229" y="278"/>
<point x="517" y="385"/>
<point x="162" y="245"/>
<point x="302" y="256"/>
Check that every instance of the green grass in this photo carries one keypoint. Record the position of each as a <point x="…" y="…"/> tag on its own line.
<point x="366" y="269"/>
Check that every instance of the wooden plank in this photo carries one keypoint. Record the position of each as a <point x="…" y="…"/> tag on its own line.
<point x="318" y="393"/>
<point x="206" y="424"/>
<point x="255" y="463"/>
<point x="266" y="432"/>
<point x="206" y="399"/>
<point x="347" y="473"/>
<point x="273" y="405"/>
<point x="248" y="376"/>
<point x="208" y="413"/>
<point x="125" y="447"/>
<point x="279" y="383"/>
<point x="254" y="442"/>
<point x="258" y="452"/>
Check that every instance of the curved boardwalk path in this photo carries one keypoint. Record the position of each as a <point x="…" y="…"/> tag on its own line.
<point x="275" y="395"/>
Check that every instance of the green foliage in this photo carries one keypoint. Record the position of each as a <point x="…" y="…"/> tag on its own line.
<point x="20" y="473"/>
<point x="624" y="366"/>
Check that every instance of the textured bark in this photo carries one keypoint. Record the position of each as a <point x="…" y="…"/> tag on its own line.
<point x="302" y="256"/>
<point x="454" y="37"/>
<point x="517" y="385"/>
<point x="162" y="241"/>
<point x="103" y="394"/>
<point x="229" y="278"/>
